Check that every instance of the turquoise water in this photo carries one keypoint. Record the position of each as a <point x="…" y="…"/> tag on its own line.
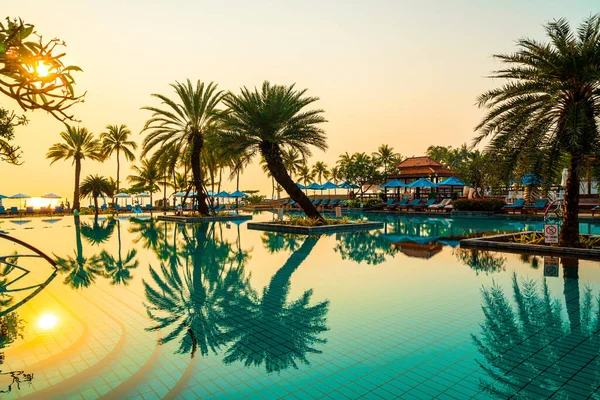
<point x="147" y="309"/>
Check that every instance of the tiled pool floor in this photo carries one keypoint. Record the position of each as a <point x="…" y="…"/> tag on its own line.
<point x="146" y="309"/>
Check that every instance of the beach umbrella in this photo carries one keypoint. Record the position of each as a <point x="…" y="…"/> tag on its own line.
<point x="20" y="221"/>
<point x="301" y="186"/>
<point x="51" y="196"/>
<point x="531" y="180"/>
<point x="142" y="195"/>
<point x="314" y="186"/>
<point x="452" y="181"/>
<point x="422" y="183"/>
<point x="237" y="194"/>
<point x="122" y="196"/>
<point x="329" y="185"/>
<point x="223" y="194"/>
<point x="394" y="184"/>
<point x="20" y="196"/>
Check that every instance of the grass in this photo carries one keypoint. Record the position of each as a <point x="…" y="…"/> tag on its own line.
<point x="305" y="221"/>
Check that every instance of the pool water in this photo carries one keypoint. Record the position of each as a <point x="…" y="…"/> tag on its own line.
<point x="147" y="309"/>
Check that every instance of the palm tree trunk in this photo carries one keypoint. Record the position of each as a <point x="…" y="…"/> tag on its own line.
<point x="272" y="188"/>
<point x="118" y="169"/>
<point x="569" y="234"/>
<point x="197" y="143"/>
<point x="237" y="188"/>
<point x="77" y="177"/>
<point x="571" y="293"/>
<point x="272" y="155"/>
<point x="95" y="205"/>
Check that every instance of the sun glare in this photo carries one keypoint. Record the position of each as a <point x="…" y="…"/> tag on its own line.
<point x="47" y="321"/>
<point x="42" y="70"/>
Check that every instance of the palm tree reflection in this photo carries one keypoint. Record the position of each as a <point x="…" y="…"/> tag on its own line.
<point x="118" y="270"/>
<point x="275" y="332"/>
<point x="81" y="271"/>
<point x="530" y="348"/>
<point x="481" y="260"/>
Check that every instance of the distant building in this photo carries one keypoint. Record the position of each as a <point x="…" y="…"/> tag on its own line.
<point x="414" y="168"/>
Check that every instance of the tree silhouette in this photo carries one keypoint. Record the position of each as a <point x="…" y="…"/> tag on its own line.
<point x="119" y="270"/>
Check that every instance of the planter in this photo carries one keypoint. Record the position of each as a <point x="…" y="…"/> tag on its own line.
<point x="311" y="230"/>
<point x="501" y="243"/>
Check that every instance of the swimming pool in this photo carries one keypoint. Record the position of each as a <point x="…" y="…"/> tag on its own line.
<point x="147" y="309"/>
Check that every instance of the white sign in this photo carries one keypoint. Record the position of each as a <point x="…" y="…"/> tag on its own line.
<point x="338" y="212"/>
<point x="550" y="233"/>
<point x="551" y="266"/>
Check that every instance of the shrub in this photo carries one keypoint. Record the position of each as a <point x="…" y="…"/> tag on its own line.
<point x="494" y="205"/>
<point x="353" y="203"/>
<point x="305" y="221"/>
<point x="255" y="199"/>
<point x="371" y="202"/>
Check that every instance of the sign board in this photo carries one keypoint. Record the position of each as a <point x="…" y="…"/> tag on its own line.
<point x="550" y="233"/>
<point x="551" y="266"/>
<point x="280" y="214"/>
<point x="338" y="212"/>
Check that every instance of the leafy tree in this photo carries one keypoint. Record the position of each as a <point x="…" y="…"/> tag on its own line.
<point x="78" y="145"/>
<point x="118" y="270"/>
<point x="362" y="170"/>
<point x="292" y="160"/>
<point x="8" y="121"/>
<point x="95" y="186"/>
<point x="364" y="247"/>
<point x="147" y="176"/>
<point x="481" y="261"/>
<point x="305" y="174"/>
<point x="182" y="128"/>
<point x="550" y="104"/>
<point x="267" y="122"/>
<point x="386" y="157"/>
<point x="32" y="73"/>
<point x="116" y="140"/>
<point x="320" y="171"/>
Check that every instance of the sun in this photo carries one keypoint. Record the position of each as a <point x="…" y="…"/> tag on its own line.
<point x="42" y="69"/>
<point x="47" y="321"/>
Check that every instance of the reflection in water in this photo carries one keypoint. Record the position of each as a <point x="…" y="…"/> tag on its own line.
<point x="531" y="349"/>
<point x="371" y="248"/>
<point x="201" y="298"/>
<point x="118" y="269"/>
<point x="293" y="327"/>
<point x="481" y="260"/>
<point x="11" y="328"/>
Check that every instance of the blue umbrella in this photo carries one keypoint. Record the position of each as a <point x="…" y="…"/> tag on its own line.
<point x="179" y="194"/>
<point x="142" y="195"/>
<point x="222" y="194"/>
<point x="3" y="197"/>
<point x="301" y="186"/>
<point x="237" y="193"/>
<point x="422" y="183"/>
<point x="314" y="186"/>
<point x="329" y="185"/>
<point x="394" y="184"/>
<point x="50" y="196"/>
<point x="122" y="195"/>
<point x="531" y="179"/>
<point x="20" y="196"/>
<point x="452" y="181"/>
<point x="348" y="185"/>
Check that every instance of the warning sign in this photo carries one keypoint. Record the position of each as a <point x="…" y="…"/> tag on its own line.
<point x="550" y="233"/>
<point x="551" y="266"/>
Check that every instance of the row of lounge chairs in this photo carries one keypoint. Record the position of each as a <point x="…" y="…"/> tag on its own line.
<point x="29" y="211"/>
<point x="519" y="205"/>
<point x="416" y="205"/>
<point x="324" y="203"/>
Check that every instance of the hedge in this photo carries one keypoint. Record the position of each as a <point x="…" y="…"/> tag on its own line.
<point x="479" y="205"/>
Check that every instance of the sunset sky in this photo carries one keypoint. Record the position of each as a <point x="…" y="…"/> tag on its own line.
<point x="404" y="73"/>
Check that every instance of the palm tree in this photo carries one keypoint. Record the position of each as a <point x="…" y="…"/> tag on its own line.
<point x="305" y="174"/>
<point x="265" y="168"/>
<point x="116" y="140"/>
<point x="79" y="144"/>
<point x="385" y="156"/>
<point x="147" y="176"/>
<point x="320" y="171"/>
<point x="95" y="186"/>
<point x="292" y="160"/>
<point x="551" y="103"/>
<point x="119" y="269"/>
<point x="267" y="122"/>
<point x="183" y="126"/>
<point x="298" y="323"/>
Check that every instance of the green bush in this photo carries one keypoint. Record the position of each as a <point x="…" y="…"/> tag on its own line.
<point x="255" y="199"/>
<point x="353" y="203"/>
<point x="368" y="203"/>
<point x="494" y="205"/>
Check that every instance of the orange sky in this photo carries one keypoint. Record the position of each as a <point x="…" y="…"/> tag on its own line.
<point x="396" y="72"/>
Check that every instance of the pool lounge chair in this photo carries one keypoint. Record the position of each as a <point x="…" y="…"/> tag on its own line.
<point x="518" y="205"/>
<point x="439" y="206"/>
<point x="29" y="210"/>
<point x="324" y="203"/>
<point x="595" y="210"/>
<point x="3" y="210"/>
<point x="129" y="207"/>
<point x="389" y="203"/>
<point x="317" y="202"/>
<point x="423" y="206"/>
<point x="411" y="204"/>
<point x="149" y="207"/>
<point x="539" y="205"/>
<point x="14" y="211"/>
<point x="334" y="203"/>
<point x="343" y="203"/>
<point x="402" y="203"/>
<point x="59" y="210"/>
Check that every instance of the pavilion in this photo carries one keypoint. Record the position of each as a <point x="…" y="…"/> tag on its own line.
<point x="414" y="168"/>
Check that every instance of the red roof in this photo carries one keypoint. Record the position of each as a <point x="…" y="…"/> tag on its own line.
<point x="422" y="161"/>
<point x="421" y="167"/>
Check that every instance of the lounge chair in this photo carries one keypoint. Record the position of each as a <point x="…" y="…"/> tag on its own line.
<point x="14" y="211"/>
<point x="518" y="205"/>
<point x="29" y="210"/>
<point x="411" y="204"/>
<point x="402" y="203"/>
<point x="334" y="203"/>
<point x="595" y="210"/>
<point x="389" y="203"/>
<point x="3" y="210"/>
<point x="422" y="206"/>
<point x="324" y="203"/>
<point x="149" y="207"/>
<point x="539" y="205"/>
<point x="317" y="202"/>
<point x="103" y="207"/>
<point x="440" y="205"/>
<point x="285" y="202"/>
<point x="129" y="207"/>
<point x="343" y="203"/>
<point x="117" y="208"/>
<point x="58" y="210"/>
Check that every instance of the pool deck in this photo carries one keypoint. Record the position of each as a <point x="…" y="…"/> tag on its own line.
<point x="193" y="219"/>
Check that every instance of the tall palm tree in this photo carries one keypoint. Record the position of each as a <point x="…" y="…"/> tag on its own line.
<point x="551" y="103"/>
<point x="116" y="140"/>
<point x="292" y="160"/>
<point x="95" y="186"/>
<point x="320" y="171"/>
<point x="78" y="144"/>
<point x="183" y="125"/>
<point x="306" y="174"/>
<point x="265" y="168"/>
<point x="267" y="122"/>
<point x="147" y="176"/>
<point x="385" y="156"/>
